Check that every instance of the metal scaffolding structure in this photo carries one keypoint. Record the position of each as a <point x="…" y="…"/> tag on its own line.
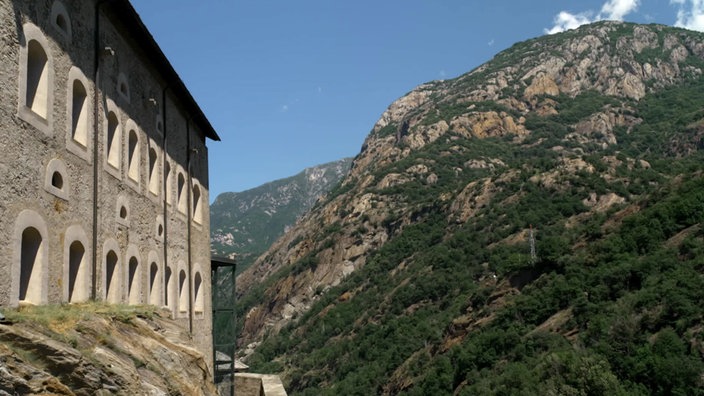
<point x="224" y="322"/>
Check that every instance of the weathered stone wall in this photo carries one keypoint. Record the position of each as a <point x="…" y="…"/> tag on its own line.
<point x="14" y="180"/>
<point x="57" y="161"/>
<point x="247" y="384"/>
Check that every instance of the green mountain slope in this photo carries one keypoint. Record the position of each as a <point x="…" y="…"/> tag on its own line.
<point x="531" y="227"/>
<point x="244" y="224"/>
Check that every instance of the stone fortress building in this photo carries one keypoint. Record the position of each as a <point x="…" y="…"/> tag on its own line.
<point x="103" y="165"/>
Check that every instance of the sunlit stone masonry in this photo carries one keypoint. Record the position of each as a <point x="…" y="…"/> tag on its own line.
<point x="103" y="165"/>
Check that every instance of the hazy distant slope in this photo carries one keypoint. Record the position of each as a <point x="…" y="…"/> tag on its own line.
<point x="244" y="224"/>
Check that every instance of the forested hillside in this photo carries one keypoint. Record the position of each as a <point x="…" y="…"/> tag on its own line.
<point x="531" y="227"/>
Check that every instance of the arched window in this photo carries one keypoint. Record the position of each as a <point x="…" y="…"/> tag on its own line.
<point x="159" y="227"/>
<point x="181" y="193"/>
<point x="169" y="288"/>
<point x="112" y="277"/>
<point x="197" y="211"/>
<point x="154" y="284"/>
<point x="77" y="273"/>
<point x="199" y="303"/>
<point x="37" y="95"/>
<point x="77" y="269"/>
<point x="113" y="137"/>
<point x="56" y="179"/>
<point x="133" y="282"/>
<point x="167" y="177"/>
<point x="29" y="272"/>
<point x="123" y="87"/>
<point x="133" y="155"/>
<point x="31" y="266"/>
<point x="153" y="171"/>
<point x="36" y="80"/>
<point x="62" y="23"/>
<point x="123" y="211"/>
<point x="60" y="19"/>
<point x="79" y="113"/>
<point x="182" y="292"/>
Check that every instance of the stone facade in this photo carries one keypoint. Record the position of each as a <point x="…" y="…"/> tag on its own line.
<point x="104" y="166"/>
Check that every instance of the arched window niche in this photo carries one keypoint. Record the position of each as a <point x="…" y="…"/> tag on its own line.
<point x="56" y="179"/>
<point x="182" y="292"/>
<point x="169" y="288"/>
<point x="60" y="20"/>
<point x="168" y="184"/>
<point x="123" y="87"/>
<point x="122" y="211"/>
<point x="79" y="115"/>
<point x="112" y="272"/>
<point x="77" y="269"/>
<point x="134" y="276"/>
<point x="37" y="99"/>
<point x="159" y="228"/>
<point x="36" y="80"/>
<point x="198" y="291"/>
<point x="181" y="193"/>
<point x="29" y="272"/>
<point x="153" y="171"/>
<point x="112" y="147"/>
<point x="197" y="203"/>
<point x="133" y="156"/>
<point x="155" y="280"/>
<point x="159" y="125"/>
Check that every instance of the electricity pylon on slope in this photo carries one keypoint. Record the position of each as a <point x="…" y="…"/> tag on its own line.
<point x="531" y="239"/>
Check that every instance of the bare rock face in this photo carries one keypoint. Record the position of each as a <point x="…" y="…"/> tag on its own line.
<point x="101" y="354"/>
<point x="599" y="127"/>
<point x="542" y="85"/>
<point x="603" y="202"/>
<point x="426" y="135"/>
<point x="474" y="196"/>
<point x="398" y="110"/>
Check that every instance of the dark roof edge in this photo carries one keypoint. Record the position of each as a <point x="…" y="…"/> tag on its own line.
<point x="223" y="260"/>
<point x="129" y="16"/>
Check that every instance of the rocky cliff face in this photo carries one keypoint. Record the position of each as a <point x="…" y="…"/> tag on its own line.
<point x="502" y="99"/>
<point x="244" y="224"/>
<point x="98" y="350"/>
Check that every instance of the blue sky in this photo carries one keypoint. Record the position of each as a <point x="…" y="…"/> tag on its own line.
<point x="292" y="84"/>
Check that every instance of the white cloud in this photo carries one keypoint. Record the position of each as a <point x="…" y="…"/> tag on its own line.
<point x="565" y="21"/>
<point x="690" y="14"/>
<point x="611" y="10"/>
<point x="616" y="9"/>
<point x="284" y="108"/>
<point x="490" y="43"/>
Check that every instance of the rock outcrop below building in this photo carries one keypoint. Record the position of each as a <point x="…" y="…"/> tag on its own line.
<point x="95" y="349"/>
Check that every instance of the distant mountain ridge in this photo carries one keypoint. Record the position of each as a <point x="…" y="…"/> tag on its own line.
<point x="244" y="224"/>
